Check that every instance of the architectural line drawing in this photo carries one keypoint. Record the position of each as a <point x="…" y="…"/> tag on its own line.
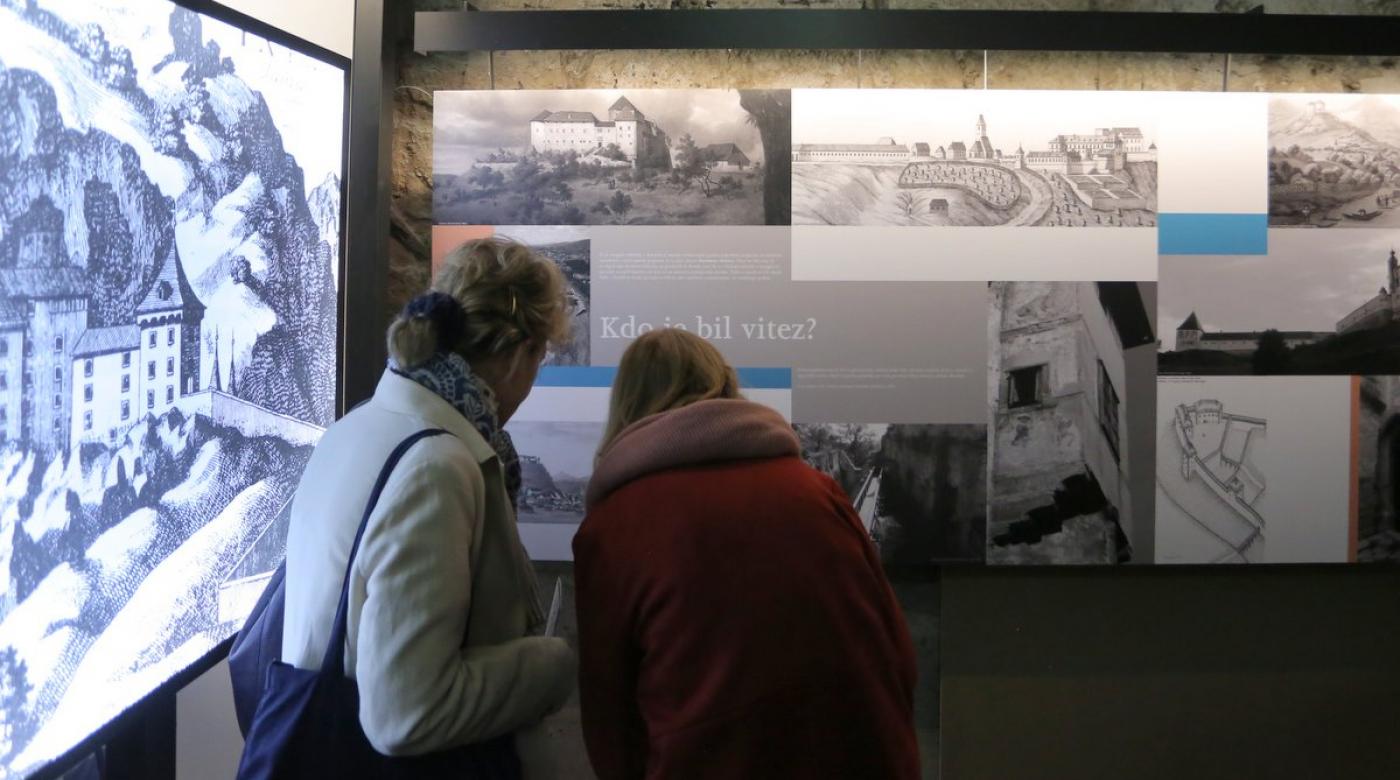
<point x="1216" y="450"/>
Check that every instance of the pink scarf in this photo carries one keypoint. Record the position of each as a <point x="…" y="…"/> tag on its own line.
<point x="704" y="432"/>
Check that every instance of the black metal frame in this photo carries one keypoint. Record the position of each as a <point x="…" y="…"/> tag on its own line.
<point x="371" y="122"/>
<point x="139" y="742"/>
<point x="1251" y="33"/>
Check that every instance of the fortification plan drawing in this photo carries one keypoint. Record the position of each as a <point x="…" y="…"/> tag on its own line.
<point x="1214" y="449"/>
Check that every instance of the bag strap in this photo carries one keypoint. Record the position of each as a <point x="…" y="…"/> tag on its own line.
<point x="334" y="661"/>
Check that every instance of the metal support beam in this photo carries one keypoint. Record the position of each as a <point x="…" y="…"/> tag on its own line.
<point x="367" y="201"/>
<point x="1251" y="33"/>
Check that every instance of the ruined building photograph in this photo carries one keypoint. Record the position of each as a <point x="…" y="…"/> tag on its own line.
<point x="1318" y="303"/>
<point x="891" y="157"/>
<point x="1334" y="161"/>
<point x="612" y="157"/>
<point x="1378" y="468"/>
<point x="1063" y="446"/>
<point x="169" y="261"/>
<point x="920" y="490"/>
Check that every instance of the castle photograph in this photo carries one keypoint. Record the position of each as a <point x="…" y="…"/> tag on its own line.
<point x="1318" y="303"/>
<point x="1334" y="161"/>
<point x="888" y="157"/>
<point x="612" y="157"/>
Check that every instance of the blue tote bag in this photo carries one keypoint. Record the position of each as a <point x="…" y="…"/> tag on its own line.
<point x="307" y="724"/>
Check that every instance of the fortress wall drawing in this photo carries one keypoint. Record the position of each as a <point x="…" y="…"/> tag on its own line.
<point x="170" y="205"/>
<point x="1061" y="454"/>
<point x="928" y="157"/>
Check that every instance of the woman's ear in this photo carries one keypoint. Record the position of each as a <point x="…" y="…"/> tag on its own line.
<point x="537" y="349"/>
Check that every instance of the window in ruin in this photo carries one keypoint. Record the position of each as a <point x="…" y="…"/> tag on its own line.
<point x="1108" y="409"/>
<point x="1025" y="386"/>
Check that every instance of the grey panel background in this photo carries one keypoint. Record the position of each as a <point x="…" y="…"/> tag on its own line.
<point x="870" y="325"/>
<point x="1171" y="672"/>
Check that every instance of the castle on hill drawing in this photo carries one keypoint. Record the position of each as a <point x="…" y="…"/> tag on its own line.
<point x="1334" y="162"/>
<point x="708" y="157"/>
<point x="636" y="137"/>
<point x="79" y="384"/>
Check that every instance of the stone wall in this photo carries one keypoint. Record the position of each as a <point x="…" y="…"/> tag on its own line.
<point x="934" y="487"/>
<point x="420" y="75"/>
<point x="1378" y="444"/>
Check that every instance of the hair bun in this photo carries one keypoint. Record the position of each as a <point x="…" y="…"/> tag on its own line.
<point x="446" y="314"/>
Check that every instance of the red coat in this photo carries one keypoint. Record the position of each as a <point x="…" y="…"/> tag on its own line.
<point x="734" y="622"/>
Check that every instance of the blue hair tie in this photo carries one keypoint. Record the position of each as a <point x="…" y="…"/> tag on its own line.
<point x="446" y="314"/>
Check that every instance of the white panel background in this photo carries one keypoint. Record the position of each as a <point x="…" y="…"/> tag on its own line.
<point x="973" y="254"/>
<point x="1213" y="153"/>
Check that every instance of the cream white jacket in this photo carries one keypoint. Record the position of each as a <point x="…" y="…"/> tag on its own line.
<point x="440" y="547"/>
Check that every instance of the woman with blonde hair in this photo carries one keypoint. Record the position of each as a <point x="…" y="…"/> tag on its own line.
<point x="734" y="621"/>
<point x="442" y="618"/>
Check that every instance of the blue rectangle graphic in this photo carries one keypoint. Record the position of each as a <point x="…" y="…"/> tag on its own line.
<point x="1213" y="234"/>
<point x="602" y="376"/>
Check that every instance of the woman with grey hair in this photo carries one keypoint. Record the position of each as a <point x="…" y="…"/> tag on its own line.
<point x="443" y="618"/>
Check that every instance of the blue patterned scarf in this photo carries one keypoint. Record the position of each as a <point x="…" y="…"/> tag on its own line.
<point x="448" y="375"/>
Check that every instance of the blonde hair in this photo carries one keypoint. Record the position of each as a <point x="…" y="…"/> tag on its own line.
<point x="510" y="293"/>
<point x="666" y="369"/>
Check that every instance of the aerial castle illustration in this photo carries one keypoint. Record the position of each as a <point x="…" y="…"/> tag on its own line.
<point x="1103" y="178"/>
<point x="1216" y="447"/>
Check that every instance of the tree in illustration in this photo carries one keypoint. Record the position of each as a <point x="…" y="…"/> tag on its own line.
<point x="109" y="261"/>
<point x="691" y="165"/>
<point x="620" y="204"/>
<point x="905" y="201"/>
<point x="14" y="695"/>
<point x="771" y="111"/>
<point x="1272" y="355"/>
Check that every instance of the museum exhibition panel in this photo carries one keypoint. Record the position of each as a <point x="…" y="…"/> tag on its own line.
<point x="1017" y="327"/>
